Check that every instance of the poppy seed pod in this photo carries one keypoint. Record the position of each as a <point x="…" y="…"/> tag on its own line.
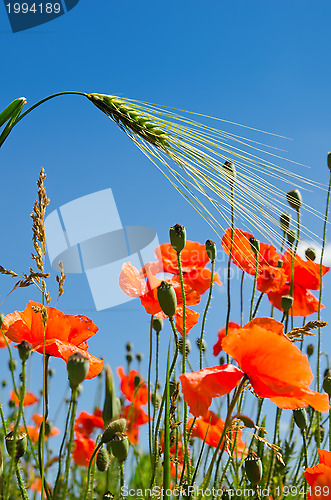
<point x="211" y="249"/>
<point x="329" y="160"/>
<point x="255" y="245"/>
<point x="300" y="418"/>
<point x="310" y="254"/>
<point x="229" y="171"/>
<point x="157" y="324"/>
<point x="310" y="350"/>
<point x="286" y="303"/>
<point x="253" y="468"/>
<point x="327" y="384"/>
<point x="294" y="199"/>
<point x="103" y="460"/>
<point x="78" y="367"/>
<point x="24" y="350"/>
<point x="21" y="444"/>
<point x="291" y="236"/>
<point x="114" y="427"/>
<point x="120" y="446"/>
<point x="285" y="220"/>
<point x="167" y="298"/>
<point x="178" y="237"/>
<point x="129" y="357"/>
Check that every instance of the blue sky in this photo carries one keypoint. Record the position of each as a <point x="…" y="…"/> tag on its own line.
<point x="261" y="64"/>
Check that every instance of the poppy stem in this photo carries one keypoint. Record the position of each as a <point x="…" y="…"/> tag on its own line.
<point x="254" y="285"/>
<point x="149" y="385"/>
<point x="61" y="450"/>
<point x="206" y="310"/>
<point x="20" y="482"/>
<point x="318" y="438"/>
<point x="74" y="394"/>
<point x="166" y="462"/>
<point x="242" y="299"/>
<point x="95" y="451"/>
<point x="156" y="380"/>
<point x="229" y="260"/>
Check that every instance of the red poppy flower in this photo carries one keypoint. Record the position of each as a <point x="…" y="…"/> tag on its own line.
<point x="65" y="334"/>
<point x="210" y="429"/>
<point x="133" y="284"/>
<point x="29" y="398"/>
<point x="133" y="387"/>
<point x="306" y="277"/>
<point x="36" y="486"/>
<point x="270" y="277"/>
<point x="221" y="334"/>
<point x="83" y="449"/>
<point x="176" y="457"/>
<point x="275" y="367"/>
<point x="319" y="477"/>
<point x="194" y="259"/>
<point x="33" y="430"/>
<point x="135" y="417"/>
<point x="85" y="423"/>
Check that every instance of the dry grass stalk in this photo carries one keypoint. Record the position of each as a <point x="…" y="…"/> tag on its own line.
<point x="272" y="447"/>
<point x="296" y="333"/>
<point x="60" y="279"/>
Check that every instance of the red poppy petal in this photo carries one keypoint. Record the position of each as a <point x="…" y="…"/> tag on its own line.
<point x="199" y="388"/>
<point x="270" y="279"/>
<point x="199" y="279"/>
<point x="131" y="282"/>
<point x="221" y="334"/>
<point x="324" y="457"/>
<point x="242" y="254"/>
<point x="192" y="318"/>
<point x="304" y="302"/>
<point x="303" y="398"/>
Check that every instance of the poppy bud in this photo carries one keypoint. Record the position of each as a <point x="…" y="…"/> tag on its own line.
<point x="286" y="303"/>
<point x="115" y="426"/>
<point x="300" y="418"/>
<point x="222" y="360"/>
<point x="4" y="383"/>
<point x="156" y="400"/>
<point x="111" y="407"/>
<point x="1" y="319"/>
<point x="291" y="236"/>
<point x="24" y="350"/>
<point x="229" y="171"/>
<point x="157" y="324"/>
<point x="51" y="372"/>
<point x="211" y="249"/>
<point x="310" y="350"/>
<point x="201" y="344"/>
<point x="11" y="404"/>
<point x="103" y="460"/>
<point x="78" y="367"/>
<point x="253" y="468"/>
<point x="48" y="427"/>
<point x="120" y="446"/>
<point x="187" y="346"/>
<point x="329" y="160"/>
<point x="285" y="220"/>
<point x="129" y="358"/>
<point x="255" y="245"/>
<point x="327" y="385"/>
<point x="310" y="254"/>
<point x="139" y="356"/>
<point x="12" y="363"/>
<point x="21" y="444"/>
<point x="129" y="346"/>
<point x="178" y="237"/>
<point x="294" y="199"/>
<point x="327" y="372"/>
<point x="136" y="380"/>
<point x="322" y="432"/>
<point x="107" y="496"/>
<point x="167" y="298"/>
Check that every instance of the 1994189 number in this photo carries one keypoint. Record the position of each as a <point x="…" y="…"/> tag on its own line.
<point x="35" y="8"/>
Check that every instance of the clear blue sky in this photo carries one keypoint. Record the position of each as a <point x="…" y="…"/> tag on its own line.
<point x="262" y="64"/>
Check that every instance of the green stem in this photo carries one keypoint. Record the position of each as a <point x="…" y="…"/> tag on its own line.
<point x="254" y="285"/>
<point x="242" y="299"/>
<point x="149" y="385"/>
<point x="56" y="485"/>
<point x="272" y="460"/>
<point x="95" y="451"/>
<point x="21" y="486"/>
<point x="229" y="262"/>
<point x="166" y="462"/>
<point x="121" y="479"/>
<point x="156" y="380"/>
<point x="74" y="395"/>
<point x="257" y="304"/>
<point x="206" y="310"/>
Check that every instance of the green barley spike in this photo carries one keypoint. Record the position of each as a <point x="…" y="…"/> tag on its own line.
<point x="127" y="117"/>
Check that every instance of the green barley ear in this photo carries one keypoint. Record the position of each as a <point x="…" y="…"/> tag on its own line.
<point x="11" y="110"/>
<point x="130" y="119"/>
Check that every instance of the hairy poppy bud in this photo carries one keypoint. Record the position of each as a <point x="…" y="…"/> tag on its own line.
<point x="211" y="249"/>
<point x="157" y="324"/>
<point x="21" y="444"/>
<point x="24" y="350"/>
<point x="114" y="427"/>
<point x="291" y="236"/>
<point x="300" y="418"/>
<point x="255" y="245"/>
<point x="129" y="357"/>
<point x="286" y="303"/>
<point x="329" y="160"/>
<point x="327" y="384"/>
<point x="12" y="363"/>
<point x="310" y="254"/>
<point x="167" y="298"/>
<point x="103" y="460"/>
<point x="222" y="360"/>
<point x="120" y="446"/>
<point x="322" y="433"/>
<point x="285" y="220"/>
<point x="201" y="344"/>
<point x="294" y="198"/>
<point x="229" y="171"/>
<point x="310" y="350"/>
<point x="129" y="346"/>
<point x="187" y="346"/>
<point x="78" y="367"/>
<point x="253" y="468"/>
<point x="136" y="380"/>
<point x="139" y="356"/>
<point x="178" y="237"/>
